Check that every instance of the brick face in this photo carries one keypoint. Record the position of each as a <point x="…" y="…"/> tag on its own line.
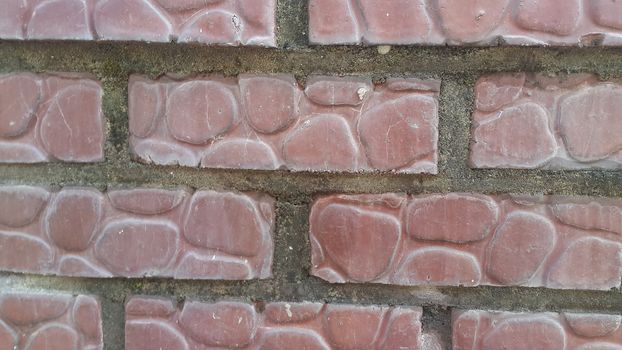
<point x="50" y="321"/>
<point x="468" y="240"/>
<point x="470" y="22"/>
<point x="268" y="122"/>
<point x="158" y="322"/>
<point x="552" y="122"/>
<point x="476" y="329"/>
<point x="227" y="22"/>
<point x="50" y="118"/>
<point x="136" y="232"/>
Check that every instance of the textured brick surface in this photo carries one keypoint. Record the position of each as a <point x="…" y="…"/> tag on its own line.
<point x="50" y="322"/>
<point x="552" y="122"/>
<point x="459" y="22"/>
<point x="154" y="323"/>
<point x="229" y="22"/>
<point x="268" y="122"/>
<point x="468" y="239"/>
<point x="45" y="118"/>
<point x="136" y="232"/>
<point x="474" y="330"/>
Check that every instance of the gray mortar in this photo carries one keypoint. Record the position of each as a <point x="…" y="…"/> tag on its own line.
<point x="458" y="68"/>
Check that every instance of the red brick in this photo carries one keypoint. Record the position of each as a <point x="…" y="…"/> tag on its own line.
<point x="72" y="219"/>
<point x="292" y="313"/>
<point x="146" y="201"/>
<point x="312" y="145"/>
<point x="394" y="137"/>
<point x="559" y="17"/>
<point x="58" y="118"/>
<point x="87" y="315"/>
<point x="396" y="21"/>
<point x="61" y="19"/>
<point x="606" y="13"/>
<point x="136" y="247"/>
<point x="50" y="322"/>
<point x="136" y="232"/>
<point x="471" y="20"/>
<point x="334" y="22"/>
<point x="550" y="122"/>
<point x="152" y="307"/>
<point x="464" y="22"/>
<point x="268" y="122"/>
<point x="212" y="324"/>
<point x="593" y="325"/>
<point x="362" y="242"/>
<point x="603" y="215"/>
<point x="476" y="329"/>
<point x="281" y="325"/>
<point x="213" y="218"/>
<point x="21" y="205"/>
<point x="269" y="102"/>
<point x="226" y="22"/>
<point x="467" y="239"/>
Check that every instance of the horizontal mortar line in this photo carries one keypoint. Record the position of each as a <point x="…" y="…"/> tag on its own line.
<point x="120" y="58"/>
<point x="484" y="297"/>
<point x="283" y="182"/>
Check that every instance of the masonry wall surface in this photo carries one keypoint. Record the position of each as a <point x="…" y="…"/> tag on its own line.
<point x="457" y="67"/>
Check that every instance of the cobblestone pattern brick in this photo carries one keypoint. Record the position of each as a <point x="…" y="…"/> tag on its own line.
<point x="468" y="240"/>
<point x="136" y="232"/>
<point x="226" y="22"/>
<point x="152" y="323"/>
<point x="47" y="118"/>
<point x="552" y="122"/>
<point x="474" y="330"/>
<point x="268" y="122"/>
<point x="466" y="22"/>
<point x="50" y="321"/>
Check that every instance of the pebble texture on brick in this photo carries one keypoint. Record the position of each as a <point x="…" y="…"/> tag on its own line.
<point x="268" y="122"/>
<point x="50" y="118"/>
<point x="158" y="323"/>
<point x="136" y="232"/>
<point x="468" y="239"/>
<point x="50" y="322"/>
<point x="481" y="330"/>
<point x="228" y="22"/>
<point x="552" y="122"/>
<point x="460" y="22"/>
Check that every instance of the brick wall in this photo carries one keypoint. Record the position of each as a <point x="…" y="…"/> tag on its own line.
<point x="353" y="174"/>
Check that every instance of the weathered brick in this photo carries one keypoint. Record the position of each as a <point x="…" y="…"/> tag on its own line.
<point x="50" y="321"/>
<point x="273" y="326"/>
<point x="552" y="122"/>
<point x="50" y="118"/>
<point x="468" y="239"/>
<point x="465" y="22"/>
<point x="268" y="122"/>
<point x="136" y="232"/>
<point x="475" y="329"/>
<point x="226" y="22"/>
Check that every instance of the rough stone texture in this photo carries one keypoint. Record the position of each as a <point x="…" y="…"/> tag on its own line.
<point x="268" y="122"/>
<point x="274" y="326"/>
<point x="136" y="232"/>
<point x="475" y="329"/>
<point x="528" y="121"/>
<point x="47" y="118"/>
<point x="50" y="322"/>
<point x="466" y="22"/>
<point x="460" y="239"/>
<point x="224" y="22"/>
